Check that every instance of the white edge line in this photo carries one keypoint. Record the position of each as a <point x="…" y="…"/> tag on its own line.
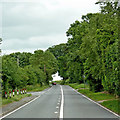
<point x="62" y="103"/>
<point x="24" y="105"/>
<point x="96" y="102"/>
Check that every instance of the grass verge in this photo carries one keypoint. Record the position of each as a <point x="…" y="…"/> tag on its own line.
<point x="19" y="97"/>
<point x="112" y="105"/>
<point x="78" y="86"/>
<point x="96" y="96"/>
<point x="15" y="98"/>
<point x="36" y="88"/>
<point x="110" y="101"/>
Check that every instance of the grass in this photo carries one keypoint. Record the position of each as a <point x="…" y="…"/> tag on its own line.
<point x="112" y="103"/>
<point x="15" y="98"/>
<point x="36" y="88"/>
<point x="77" y="86"/>
<point x="96" y="96"/>
<point x="19" y="97"/>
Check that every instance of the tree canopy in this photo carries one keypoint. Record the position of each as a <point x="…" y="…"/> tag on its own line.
<point x="92" y="51"/>
<point x="91" y="55"/>
<point x="22" y="69"/>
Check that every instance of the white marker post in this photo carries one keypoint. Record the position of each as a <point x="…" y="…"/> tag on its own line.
<point x="17" y="92"/>
<point x="13" y="93"/>
<point x="23" y="91"/>
<point x="6" y="95"/>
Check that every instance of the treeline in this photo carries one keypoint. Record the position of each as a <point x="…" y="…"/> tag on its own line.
<point x="22" y="69"/>
<point x="91" y="54"/>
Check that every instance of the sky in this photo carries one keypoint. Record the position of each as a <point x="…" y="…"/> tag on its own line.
<point x="29" y="25"/>
<point x="56" y="77"/>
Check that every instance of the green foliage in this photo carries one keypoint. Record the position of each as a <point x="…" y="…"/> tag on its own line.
<point x="22" y="69"/>
<point x="58" y="50"/>
<point x="107" y="100"/>
<point x="91" y="56"/>
<point x="46" y="62"/>
<point x="112" y="105"/>
<point x="92" y="52"/>
<point x="79" y="86"/>
<point x="96" y="96"/>
<point x="10" y="72"/>
<point x="15" y="98"/>
<point x="36" y="88"/>
<point x="22" y="58"/>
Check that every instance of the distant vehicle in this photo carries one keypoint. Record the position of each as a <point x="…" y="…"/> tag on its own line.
<point x="53" y="83"/>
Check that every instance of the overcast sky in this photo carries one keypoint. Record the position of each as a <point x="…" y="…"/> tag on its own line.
<point x="28" y="26"/>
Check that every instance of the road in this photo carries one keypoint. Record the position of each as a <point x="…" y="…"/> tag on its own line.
<point x="62" y="102"/>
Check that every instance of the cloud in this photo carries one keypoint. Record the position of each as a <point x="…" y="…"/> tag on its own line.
<point x="39" y="42"/>
<point x="29" y="25"/>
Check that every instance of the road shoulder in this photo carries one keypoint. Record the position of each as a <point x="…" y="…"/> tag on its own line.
<point x="95" y="102"/>
<point x="12" y="106"/>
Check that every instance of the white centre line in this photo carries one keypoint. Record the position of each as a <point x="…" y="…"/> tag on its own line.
<point x="62" y="103"/>
<point x="57" y="107"/>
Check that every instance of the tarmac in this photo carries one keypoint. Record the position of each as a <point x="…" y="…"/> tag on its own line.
<point x="12" y="106"/>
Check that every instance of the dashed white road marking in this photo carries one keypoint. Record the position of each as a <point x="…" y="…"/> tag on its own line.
<point x="57" y="107"/>
<point x="62" y="103"/>
<point x="56" y="112"/>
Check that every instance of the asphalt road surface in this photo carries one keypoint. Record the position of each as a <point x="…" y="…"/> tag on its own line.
<point x="62" y="102"/>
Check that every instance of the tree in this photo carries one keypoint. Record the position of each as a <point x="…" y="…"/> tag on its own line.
<point x="22" y="58"/>
<point x="46" y="62"/>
